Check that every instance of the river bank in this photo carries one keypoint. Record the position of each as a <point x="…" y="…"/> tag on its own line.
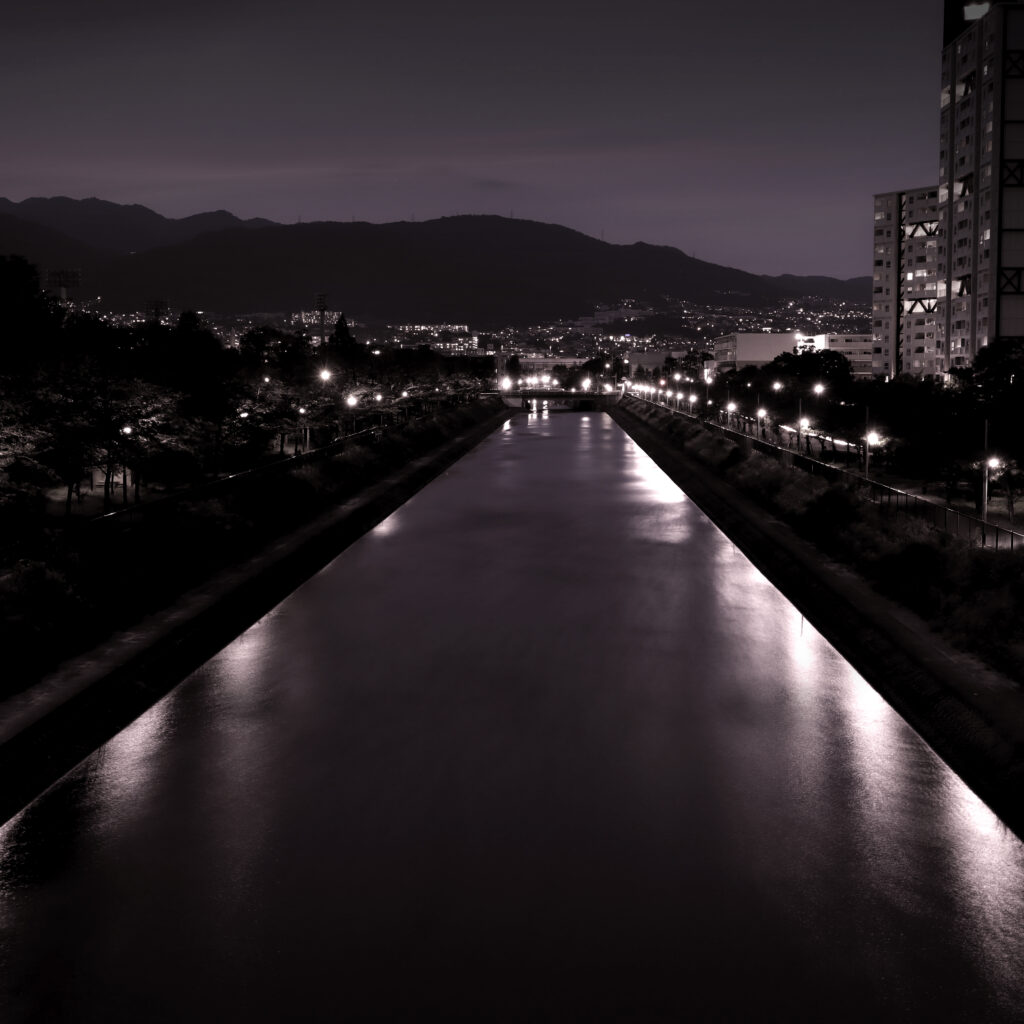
<point x="49" y="726"/>
<point x="971" y="714"/>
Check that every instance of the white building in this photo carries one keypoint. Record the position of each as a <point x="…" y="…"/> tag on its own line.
<point x="734" y="351"/>
<point x="858" y="349"/>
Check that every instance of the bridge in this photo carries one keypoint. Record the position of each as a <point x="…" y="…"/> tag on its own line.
<point x="553" y="399"/>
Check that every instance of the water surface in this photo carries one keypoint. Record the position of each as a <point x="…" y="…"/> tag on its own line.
<point x="544" y="742"/>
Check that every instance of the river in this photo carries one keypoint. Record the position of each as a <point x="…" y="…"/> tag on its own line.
<point x="542" y="745"/>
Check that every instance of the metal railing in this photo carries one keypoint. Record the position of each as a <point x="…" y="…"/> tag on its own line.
<point x="973" y="529"/>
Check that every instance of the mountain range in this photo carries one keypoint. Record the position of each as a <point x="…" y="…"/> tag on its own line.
<point x="480" y="269"/>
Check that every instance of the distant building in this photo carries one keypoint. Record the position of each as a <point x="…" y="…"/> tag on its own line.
<point x="857" y="348"/>
<point x="545" y="364"/>
<point x="652" y="360"/>
<point x="905" y="284"/>
<point x="734" y="351"/>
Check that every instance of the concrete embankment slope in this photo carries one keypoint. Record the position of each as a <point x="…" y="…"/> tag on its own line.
<point x="972" y="716"/>
<point x="48" y="729"/>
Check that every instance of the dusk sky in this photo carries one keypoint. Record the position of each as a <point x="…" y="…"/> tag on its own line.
<point x="748" y="133"/>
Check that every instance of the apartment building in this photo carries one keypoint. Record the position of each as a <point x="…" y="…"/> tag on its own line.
<point x="905" y="284"/>
<point x="981" y="179"/>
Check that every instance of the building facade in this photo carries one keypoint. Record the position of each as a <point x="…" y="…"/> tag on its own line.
<point x="905" y="284"/>
<point x="734" y="351"/>
<point x="981" y="179"/>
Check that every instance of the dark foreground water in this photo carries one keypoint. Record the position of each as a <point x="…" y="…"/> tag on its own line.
<point x="544" y="745"/>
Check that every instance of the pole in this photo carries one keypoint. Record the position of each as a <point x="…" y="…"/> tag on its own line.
<point x="867" y="443"/>
<point x="984" y="477"/>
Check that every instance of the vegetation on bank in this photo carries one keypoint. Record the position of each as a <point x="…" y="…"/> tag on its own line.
<point x="84" y="582"/>
<point x="934" y="432"/>
<point x="973" y="596"/>
<point x="164" y="410"/>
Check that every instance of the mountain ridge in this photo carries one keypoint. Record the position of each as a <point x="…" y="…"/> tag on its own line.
<point x="481" y="268"/>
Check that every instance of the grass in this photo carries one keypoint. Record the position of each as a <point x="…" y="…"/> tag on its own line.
<point x="973" y="596"/>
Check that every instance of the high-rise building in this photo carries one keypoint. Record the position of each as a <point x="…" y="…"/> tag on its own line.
<point x="905" y="284"/>
<point x="949" y="262"/>
<point x="981" y="179"/>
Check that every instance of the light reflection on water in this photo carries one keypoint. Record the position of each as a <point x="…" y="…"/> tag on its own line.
<point x="545" y="718"/>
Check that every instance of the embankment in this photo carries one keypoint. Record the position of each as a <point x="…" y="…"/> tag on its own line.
<point x="972" y="715"/>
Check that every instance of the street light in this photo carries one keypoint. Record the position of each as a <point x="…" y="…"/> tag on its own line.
<point x="871" y="438"/>
<point x="325" y="375"/>
<point x="993" y="464"/>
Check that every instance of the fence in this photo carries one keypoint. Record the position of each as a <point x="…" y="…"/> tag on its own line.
<point x="974" y="530"/>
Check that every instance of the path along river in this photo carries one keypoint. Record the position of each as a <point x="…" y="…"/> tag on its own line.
<point x="542" y="741"/>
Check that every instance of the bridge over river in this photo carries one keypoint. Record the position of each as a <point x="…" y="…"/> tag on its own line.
<point x="552" y="399"/>
<point x="542" y="744"/>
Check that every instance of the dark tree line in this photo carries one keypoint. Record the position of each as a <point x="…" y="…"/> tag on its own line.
<point x="170" y="404"/>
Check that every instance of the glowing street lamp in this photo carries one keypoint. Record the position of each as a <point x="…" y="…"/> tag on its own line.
<point x="870" y="439"/>
<point x="351" y="401"/>
<point x="801" y="425"/>
<point x="990" y="464"/>
<point x="325" y="375"/>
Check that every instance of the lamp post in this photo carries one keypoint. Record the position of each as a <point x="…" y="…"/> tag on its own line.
<point x="870" y="438"/>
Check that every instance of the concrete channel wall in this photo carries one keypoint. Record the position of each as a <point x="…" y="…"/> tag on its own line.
<point x="972" y="716"/>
